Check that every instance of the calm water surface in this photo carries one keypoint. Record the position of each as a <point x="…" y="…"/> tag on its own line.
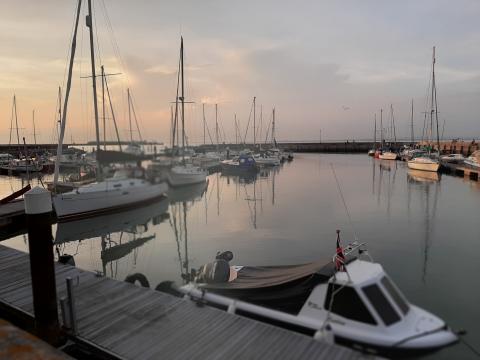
<point x="423" y="228"/>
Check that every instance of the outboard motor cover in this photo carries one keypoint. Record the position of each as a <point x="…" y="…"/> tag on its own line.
<point x="214" y="272"/>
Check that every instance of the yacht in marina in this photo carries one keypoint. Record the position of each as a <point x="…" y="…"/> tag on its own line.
<point x="184" y="173"/>
<point x="127" y="188"/>
<point x="429" y="162"/>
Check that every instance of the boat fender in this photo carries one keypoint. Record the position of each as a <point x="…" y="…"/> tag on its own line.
<point x="142" y="279"/>
<point x="325" y="334"/>
<point x="169" y="288"/>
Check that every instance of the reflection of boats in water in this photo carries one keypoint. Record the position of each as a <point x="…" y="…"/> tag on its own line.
<point x="422" y="176"/>
<point x="101" y="225"/>
<point x="245" y="178"/>
<point x="119" y="251"/>
<point x="187" y="192"/>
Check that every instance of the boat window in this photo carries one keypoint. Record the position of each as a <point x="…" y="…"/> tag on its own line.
<point x="117" y="185"/>
<point x="348" y="304"/>
<point x="387" y="284"/>
<point x="381" y="304"/>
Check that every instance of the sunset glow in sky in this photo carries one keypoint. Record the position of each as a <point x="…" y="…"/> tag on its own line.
<point x="326" y="65"/>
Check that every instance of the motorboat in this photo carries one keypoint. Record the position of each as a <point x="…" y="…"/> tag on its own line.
<point x="473" y="160"/>
<point x="208" y="160"/>
<point x="352" y="302"/>
<point x="452" y="158"/>
<point x="118" y="193"/>
<point x="241" y="164"/>
<point x="424" y="163"/>
<point x="25" y="165"/>
<point x="388" y="155"/>
<point x="266" y="160"/>
<point x="186" y="174"/>
<point x="134" y="149"/>
<point x="5" y="159"/>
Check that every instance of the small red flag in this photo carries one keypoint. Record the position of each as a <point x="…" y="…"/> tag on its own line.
<point x="339" y="256"/>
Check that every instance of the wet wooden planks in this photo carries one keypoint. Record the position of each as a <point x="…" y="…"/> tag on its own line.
<point x="130" y="322"/>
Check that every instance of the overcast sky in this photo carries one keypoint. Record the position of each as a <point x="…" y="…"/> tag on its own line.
<point x="328" y="65"/>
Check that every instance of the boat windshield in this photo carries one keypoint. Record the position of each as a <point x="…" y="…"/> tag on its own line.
<point x="347" y="303"/>
<point x="381" y="304"/>
<point x="395" y="295"/>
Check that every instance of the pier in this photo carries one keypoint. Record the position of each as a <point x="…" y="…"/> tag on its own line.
<point x="118" y="320"/>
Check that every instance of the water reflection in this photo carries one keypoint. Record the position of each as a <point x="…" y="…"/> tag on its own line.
<point x="426" y="184"/>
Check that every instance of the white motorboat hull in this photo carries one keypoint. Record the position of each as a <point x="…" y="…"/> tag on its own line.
<point x="108" y="196"/>
<point x="388" y="156"/>
<point x="273" y="161"/>
<point x="181" y="176"/>
<point x="472" y="163"/>
<point x="423" y="165"/>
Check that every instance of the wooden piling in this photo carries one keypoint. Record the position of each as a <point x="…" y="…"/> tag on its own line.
<point x="38" y="208"/>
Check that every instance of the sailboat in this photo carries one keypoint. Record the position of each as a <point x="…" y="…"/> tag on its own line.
<point x="184" y="173"/>
<point x="388" y="154"/>
<point x="124" y="190"/>
<point x="134" y="147"/>
<point x="372" y="151"/>
<point x="427" y="162"/>
<point x="23" y="164"/>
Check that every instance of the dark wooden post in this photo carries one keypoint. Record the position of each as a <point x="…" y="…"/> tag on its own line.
<point x="38" y="208"/>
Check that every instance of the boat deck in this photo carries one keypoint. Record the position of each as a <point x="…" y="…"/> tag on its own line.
<point x="122" y="321"/>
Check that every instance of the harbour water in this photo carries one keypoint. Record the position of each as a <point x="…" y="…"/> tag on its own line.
<point x="423" y="228"/>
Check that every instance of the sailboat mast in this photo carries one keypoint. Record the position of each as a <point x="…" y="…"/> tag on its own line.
<point x="381" y="128"/>
<point x="434" y="100"/>
<point x="129" y="114"/>
<point x="34" y="131"/>
<point x="172" y="138"/>
<point x="393" y="125"/>
<point x="216" y="125"/>
<point x="103" y="111"/>
<point x="65" y="103"/>
<point x="203" y="111"/>
<point x="94" y="78"/>
<point x="375" y="132"/>
<point x="254" y="127"/>
<point x="432" y="96"/>
<point x="16" y="118"/>
<point x="412" y="138"/>
<point x="183" y="101"/>
<point x="273" y="126"/>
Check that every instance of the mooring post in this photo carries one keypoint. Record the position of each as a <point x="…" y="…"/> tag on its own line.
<point x="38" y="208"/>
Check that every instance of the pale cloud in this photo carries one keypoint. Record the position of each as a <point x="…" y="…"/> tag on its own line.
<point x="308" y="59"/>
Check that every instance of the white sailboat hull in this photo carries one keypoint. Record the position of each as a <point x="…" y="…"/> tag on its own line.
<point x="388" y="156"/>
<point x="106" y="196"/>
<point x="186" y="175"/>
<point x="423" y="164"/>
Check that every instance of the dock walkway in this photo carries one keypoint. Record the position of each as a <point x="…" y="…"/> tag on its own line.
<point x="123" y="321"/>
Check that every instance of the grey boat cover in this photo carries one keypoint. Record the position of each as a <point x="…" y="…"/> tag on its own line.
<point x="255" y="277"/>
<point x="284" y="288"/>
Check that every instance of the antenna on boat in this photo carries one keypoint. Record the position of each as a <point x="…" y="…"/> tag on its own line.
<point x="344" y="202"/>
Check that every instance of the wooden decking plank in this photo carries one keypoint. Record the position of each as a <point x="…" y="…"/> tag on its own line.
<point x="135" y="322"/>
<point x="116" y="325"/>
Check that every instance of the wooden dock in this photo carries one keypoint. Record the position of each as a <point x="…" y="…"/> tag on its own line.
<point x="461" y="170"/>
<point x="122" y="321"/>
<point x="12" y="219"/>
